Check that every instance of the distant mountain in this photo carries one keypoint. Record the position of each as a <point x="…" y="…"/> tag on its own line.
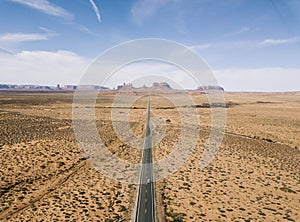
<point x="155" y="86"/>
<point x="25" y="87"/>
<point x="58" y="87"/>
<point x="7" y="86"/>
<point x="210" y="88"/>
<point x="164" y="86"/>
<point x="161" y="85"/>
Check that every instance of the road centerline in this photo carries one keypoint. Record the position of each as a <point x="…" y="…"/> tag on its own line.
<point x="145" y="198"/>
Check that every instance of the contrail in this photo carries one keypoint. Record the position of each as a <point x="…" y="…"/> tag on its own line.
<point x="8" y="51"/>
<point x="96" y="10"/>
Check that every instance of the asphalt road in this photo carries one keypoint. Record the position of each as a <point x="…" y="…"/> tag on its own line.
<point x="145" y="210"/>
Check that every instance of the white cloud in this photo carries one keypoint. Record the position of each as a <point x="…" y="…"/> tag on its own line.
<point x="279" y="41"/>
<point x="237" y="32"/>
<point x="96" y="10"/>
<point x="261" y="79"/>
<point x="147" y="72"/>
<point x="22" y="37"/>
<point x="65" y="67"/>
<point x="202" y="46"/>
<point x="46" y="30"/>
<point x="84" y="29"/>
<point x="46" y="7"/>
<point x="42" y="67"/>
<point x="244" y="43"/>
<point x="10" y="41"/>
<point x="144" y="9"/>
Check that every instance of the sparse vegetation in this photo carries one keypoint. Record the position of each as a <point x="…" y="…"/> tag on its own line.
<point x="176" y="217"/>
<point x="254" y="175"/>
<point x="286" y="189"/>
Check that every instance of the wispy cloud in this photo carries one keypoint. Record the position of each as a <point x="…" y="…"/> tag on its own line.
<point x="144" y="9"/>
<point x="9" y="42"/>
<point x="245" y="43"/>
<point x="218" y="42"/>
<point x="49" y="31"/>
<point x="22" y="37"/>
<point x="84" y="29"/>
<point x="237" y="32"/>
<point x="5" y="50"/>
<point x="96" y="10"/>
<point x="267" y="42"/>
<point x="46" y="7"/>
<point x="201" y="46"/>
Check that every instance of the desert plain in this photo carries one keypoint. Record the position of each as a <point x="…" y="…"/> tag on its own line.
<point x="255" y="175"/>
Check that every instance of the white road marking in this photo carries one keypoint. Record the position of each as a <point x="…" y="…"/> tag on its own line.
<point x="145" y="171"/>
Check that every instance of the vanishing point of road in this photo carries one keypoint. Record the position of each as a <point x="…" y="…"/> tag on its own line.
<point x="145" y="209"/>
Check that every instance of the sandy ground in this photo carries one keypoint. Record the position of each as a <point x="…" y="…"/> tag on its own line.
<point x="254" y="177"/>
<point x="256" y="173"/>
<point x="44" y="175"/>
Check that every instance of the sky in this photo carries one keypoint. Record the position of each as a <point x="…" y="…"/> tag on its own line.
<point x="250" y="45"/>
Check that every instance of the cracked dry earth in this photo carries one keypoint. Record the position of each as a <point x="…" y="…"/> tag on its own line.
<point x="254" y="177"/>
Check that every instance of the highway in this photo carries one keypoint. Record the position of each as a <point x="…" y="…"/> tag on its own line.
<point x="145" y="208"/>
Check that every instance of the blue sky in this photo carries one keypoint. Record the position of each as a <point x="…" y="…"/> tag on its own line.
<point x="252" y="45"/>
